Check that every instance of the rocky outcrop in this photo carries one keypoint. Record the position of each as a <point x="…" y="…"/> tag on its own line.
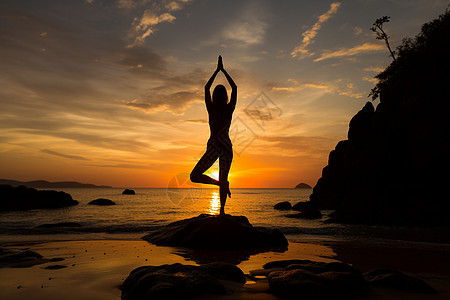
<point x="128" y="192"/>
<point x="179" y="281"/>
<point x="23" y="198"/>
<point x="102" y="202"/>
<point x="283" y="205"/>
<point x="392" y="168"/>
<point x="303" y="186"/>
<point x="223" y="232"/>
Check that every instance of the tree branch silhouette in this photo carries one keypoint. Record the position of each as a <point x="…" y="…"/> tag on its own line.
<point x="381" y="34"/>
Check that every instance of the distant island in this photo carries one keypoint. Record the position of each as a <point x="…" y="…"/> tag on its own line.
<point x="303" y="186"/>
<point x="46" y="184"/>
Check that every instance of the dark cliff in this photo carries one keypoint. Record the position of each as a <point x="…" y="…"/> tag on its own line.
<point x="394" y="166"/>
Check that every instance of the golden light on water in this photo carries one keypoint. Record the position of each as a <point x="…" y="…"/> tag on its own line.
<point x="214" y="204"/>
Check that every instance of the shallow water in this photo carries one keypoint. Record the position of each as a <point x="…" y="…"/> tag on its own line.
<point x="133" y="215"/>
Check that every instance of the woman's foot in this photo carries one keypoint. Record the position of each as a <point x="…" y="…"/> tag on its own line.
<point x="226" y="186"/>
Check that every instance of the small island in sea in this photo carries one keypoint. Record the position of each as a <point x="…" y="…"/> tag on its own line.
<point x="303" y="186"/>
<point x="43" y="184"/>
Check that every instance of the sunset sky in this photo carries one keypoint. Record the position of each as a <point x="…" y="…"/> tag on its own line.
<point x="111" y="92"/>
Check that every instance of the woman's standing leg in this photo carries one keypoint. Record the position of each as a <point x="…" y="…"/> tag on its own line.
<point x="224" y="168"/>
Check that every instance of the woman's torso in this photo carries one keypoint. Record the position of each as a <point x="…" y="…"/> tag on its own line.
<point x="219" y="124"/>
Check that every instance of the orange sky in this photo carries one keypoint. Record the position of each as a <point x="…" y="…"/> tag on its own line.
<point x="111" y="92"/>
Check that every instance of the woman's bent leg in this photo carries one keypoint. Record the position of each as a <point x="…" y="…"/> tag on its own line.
<point x="205" y="162"/>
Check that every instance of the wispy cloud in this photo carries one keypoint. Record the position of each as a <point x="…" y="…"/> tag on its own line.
<point x="74" y="157"/>
<point x="144" y="26"/>
<point x="309" y="35"/>
<point x="346" y="52"/>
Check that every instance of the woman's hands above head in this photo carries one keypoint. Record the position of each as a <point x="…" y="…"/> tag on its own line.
<point x="220" y="64"/>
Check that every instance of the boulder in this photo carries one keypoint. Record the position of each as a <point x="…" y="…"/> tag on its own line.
<point x="178" y="281"/>
<point x="306" y="285"/>
<point x="14" y="258"/>
<point x="128" y="192"/>
<point x="222" y="232"/>
<point x="307" y="213"/>
<point x="303" y="186"/>
<point x="398" y="280"/>
<point x="315" y="280"/>
<point x="102" y="202"/>
<point x="283" y="205"/>
<point x="23" y="198"/>
<point x="301" y="205"/>
<point x="55" y="267"/>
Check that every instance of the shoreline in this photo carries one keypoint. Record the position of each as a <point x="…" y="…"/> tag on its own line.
<point x="96" y="268"/>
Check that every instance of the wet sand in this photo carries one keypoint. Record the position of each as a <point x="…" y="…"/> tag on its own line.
<point x="96" y="269"/>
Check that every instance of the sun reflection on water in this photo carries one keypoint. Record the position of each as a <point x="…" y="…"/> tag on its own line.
<point x="214" y="204"/>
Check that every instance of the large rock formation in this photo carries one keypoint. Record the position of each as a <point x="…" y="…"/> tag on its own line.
<point x="23" y="198"/>
<point x="179" y="281"/>
<point x="393" y="168"/>
<point x="224" y="232"/>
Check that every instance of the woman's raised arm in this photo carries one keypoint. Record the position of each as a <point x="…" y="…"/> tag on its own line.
<point x="233" y="98"/>
<point x="207" y="89"/>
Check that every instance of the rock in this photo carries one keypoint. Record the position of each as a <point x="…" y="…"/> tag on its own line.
<point x="301" y="205"/>
<point x="177" y="281"/>
<point x="398" y="280"/>
<point x="13" y="258"/>
<point x="222" y="232"/>
<point x="315" y="280"/>
<point x="128" y="192"/>
<point x="299" y="284"/>
<point x="55" y="267"/>
<point x="224" y="271"/>
<point x="56" y="259"/>
<point x="307" y="285"/>
<point x="23" y="198"/>
<point x="396" y="156"/>
<point x="283" y="205"/>
<point x="303" y="186"/>
<point x="312" y="266"/>
<point x="59" y="225"/>
<point x="102" y="202"/>
<point x="307" y="213"/>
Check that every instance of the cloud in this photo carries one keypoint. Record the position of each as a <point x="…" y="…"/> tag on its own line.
<point x="345" y="52"/>
<point x="195" y="121"/>
<point x="250" y="31"/>
<point x="127" y="4"/>
<point x="310" y="34"/>
<point x="145" y="26"/>
<point x="299" y="87"/>
<point x="175" y="102"/>
<point x="74" y="157"/>
<point x="374" y="69"/>
<point x="357" y="30"/>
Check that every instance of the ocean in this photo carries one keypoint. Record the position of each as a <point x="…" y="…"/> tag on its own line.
<point x="134" y="215"/>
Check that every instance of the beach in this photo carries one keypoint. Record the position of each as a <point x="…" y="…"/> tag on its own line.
<point x="91" y="258"/>
<point x="95" y="269"/>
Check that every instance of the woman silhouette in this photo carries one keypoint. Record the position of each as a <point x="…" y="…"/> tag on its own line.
<point x="219" y="146"/>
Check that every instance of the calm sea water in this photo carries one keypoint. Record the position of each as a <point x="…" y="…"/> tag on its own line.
<point x="133" y="215"/>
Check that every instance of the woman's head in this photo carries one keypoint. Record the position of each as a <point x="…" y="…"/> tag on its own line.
<point x="220" y="96"/>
